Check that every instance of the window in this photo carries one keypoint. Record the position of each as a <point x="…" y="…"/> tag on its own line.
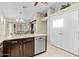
<point x="57" y="23"/>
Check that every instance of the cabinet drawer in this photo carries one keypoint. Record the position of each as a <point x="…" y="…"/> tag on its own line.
<point x="12" y="42"/>
<point x="16" y="41"/>
<point x="27" y="40"/>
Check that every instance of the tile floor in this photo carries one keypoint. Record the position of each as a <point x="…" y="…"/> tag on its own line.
<point x="55" y="52"/>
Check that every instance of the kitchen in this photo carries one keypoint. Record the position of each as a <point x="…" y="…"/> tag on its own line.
<point x="20" y="37"/>
<point x="26" y="28"/>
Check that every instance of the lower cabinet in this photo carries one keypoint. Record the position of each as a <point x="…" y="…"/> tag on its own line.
<point x="15" y="50"/>
<point x="24" y="47"/>
<point x="28" y="47"/>
<point x="12" y="48"/>
<point x="18" y="48"/>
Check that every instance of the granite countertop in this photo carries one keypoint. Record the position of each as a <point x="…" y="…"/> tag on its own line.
<point x="10" y="37"/>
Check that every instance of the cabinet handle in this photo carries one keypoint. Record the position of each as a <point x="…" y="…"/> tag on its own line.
<point x="40" y="38"/>
<point x="14" y="41"/>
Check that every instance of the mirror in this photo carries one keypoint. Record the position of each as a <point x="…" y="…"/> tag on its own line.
<point x="18" y="28"/>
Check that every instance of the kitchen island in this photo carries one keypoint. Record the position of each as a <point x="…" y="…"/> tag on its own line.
<point x="24" y="45"/>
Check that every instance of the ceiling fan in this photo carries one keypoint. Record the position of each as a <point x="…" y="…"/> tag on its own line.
<point x="36" y="3"/>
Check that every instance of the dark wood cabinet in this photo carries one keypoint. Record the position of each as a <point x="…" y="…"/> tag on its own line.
<point x="19" y="47"/>
<point x="16" y="50"/>
<point x="12" y="48"/>
<point x="28" y="47"/>
<point x="24" y="47"/>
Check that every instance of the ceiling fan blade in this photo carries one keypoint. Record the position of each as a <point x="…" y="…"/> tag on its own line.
<point x="35" y="3"/>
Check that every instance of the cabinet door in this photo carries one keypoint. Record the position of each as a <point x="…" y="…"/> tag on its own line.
<point x="58" y="37"/>
<point x="28" y="47"/>
<point x="71" y="31"/>
<point x="56" y="31"/>
<point x="12" y="49"/>
<point x="16" y="50"/>
<point x="69" y="39"/>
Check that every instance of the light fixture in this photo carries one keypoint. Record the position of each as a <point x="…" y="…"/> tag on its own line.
<point x="20" y="18"/>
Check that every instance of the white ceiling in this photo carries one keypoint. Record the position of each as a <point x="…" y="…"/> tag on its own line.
<point x="13" y="9"/>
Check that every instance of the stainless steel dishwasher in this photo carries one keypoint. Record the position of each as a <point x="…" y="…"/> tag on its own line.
<point x="39" y="44"/>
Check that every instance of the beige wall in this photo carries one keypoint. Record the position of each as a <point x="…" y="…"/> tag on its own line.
<point x="41" y="27"/>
